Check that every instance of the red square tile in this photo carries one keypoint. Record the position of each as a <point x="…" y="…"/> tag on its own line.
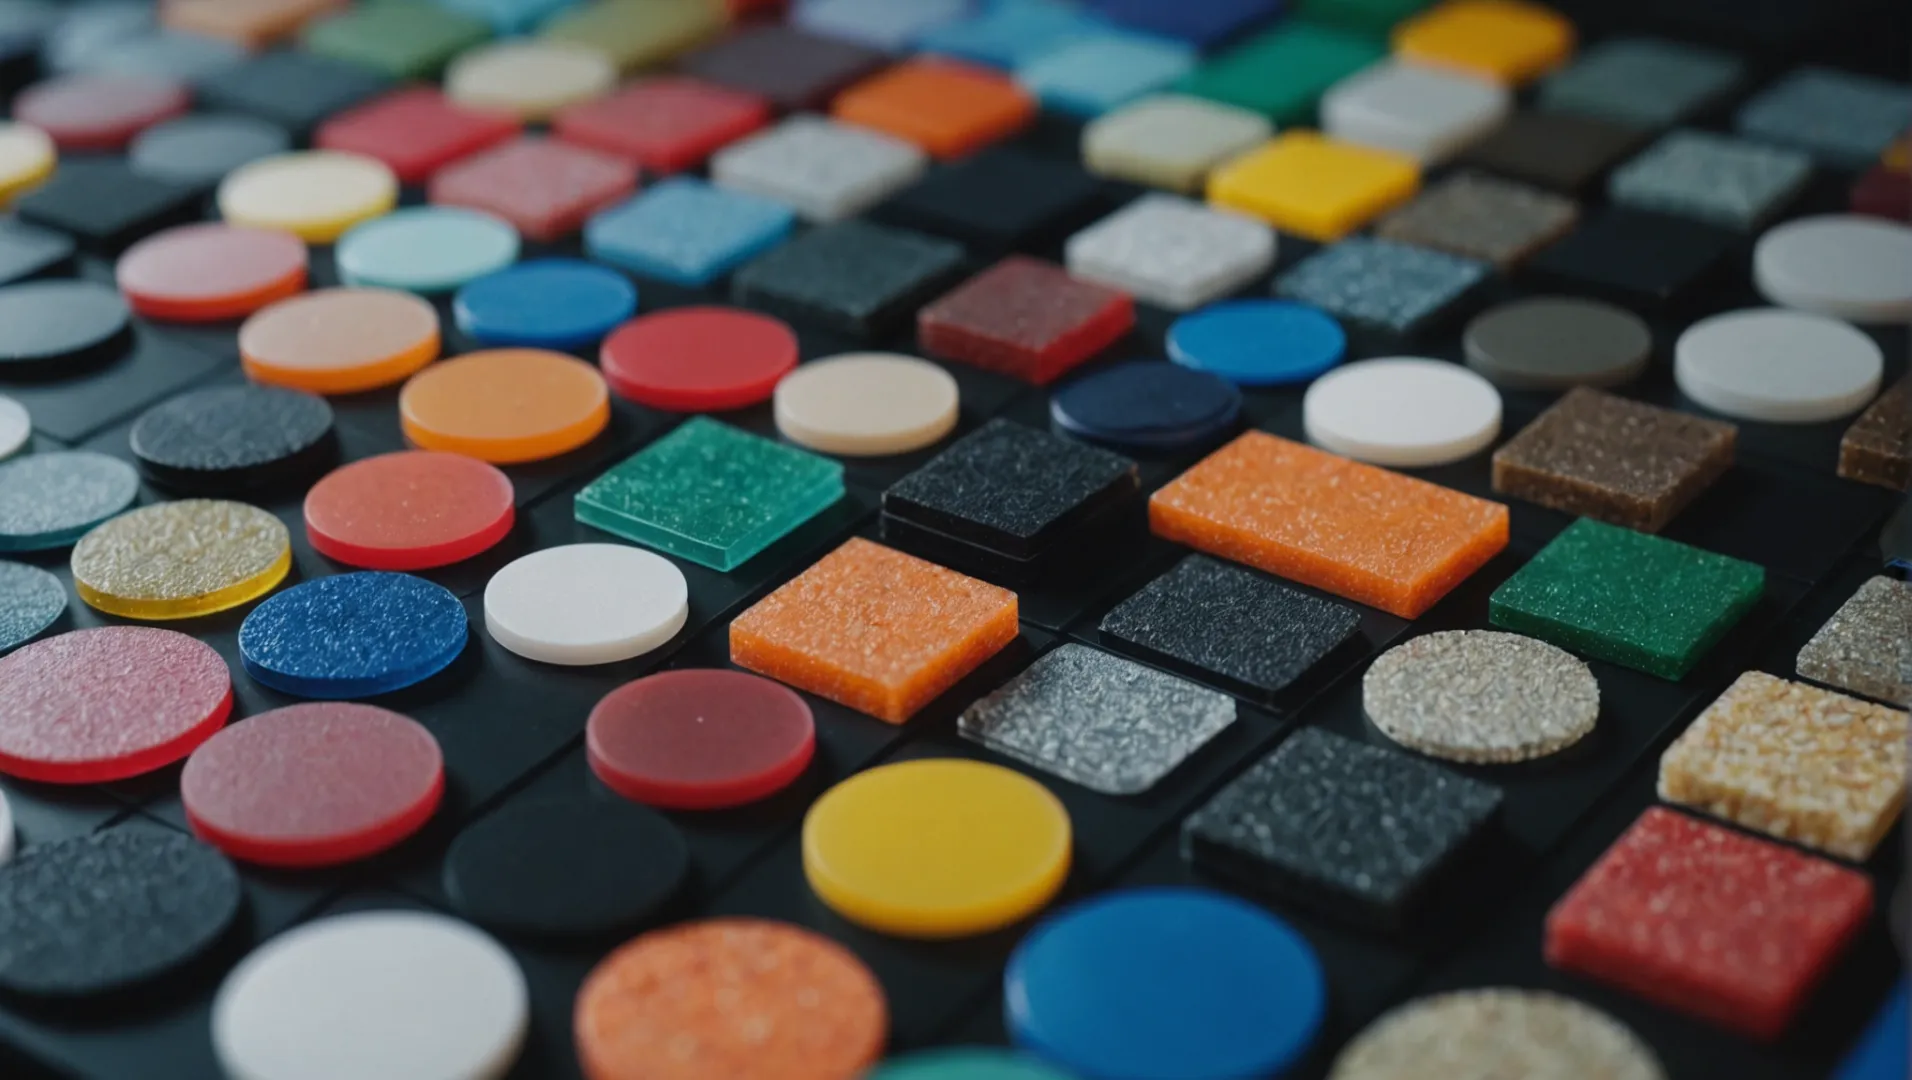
<point x="544" y="187"/>
<point x="664" y="124"/>
<point x="1026" y="318"/>
<point x="416" y="132"/>
<point x="1699" y="918"/>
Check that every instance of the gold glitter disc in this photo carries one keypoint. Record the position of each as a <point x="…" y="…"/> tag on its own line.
<point x="181" y="559"/>
<point x="1490" y="1034"/>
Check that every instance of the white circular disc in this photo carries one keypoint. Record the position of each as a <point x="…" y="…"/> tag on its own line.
<point x="1848" y="266"/>
<point x="529" y="78"/>
<point x="6" y="830"/>
<point x="866" y="404"/>
<point x="380" y="995"/>
<point x="1403" y="412"/>
<point x="586" y="604"/>
<point x="16" y="427"/>
<point x="1786" y="367"/>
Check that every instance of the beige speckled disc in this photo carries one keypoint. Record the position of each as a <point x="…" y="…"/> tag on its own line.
<point x="865" y="404"/>
<point x="181" y="559"/>
<point x="1495" y="1035"/>
<point x="315" y="194"/>
<point x="1481" y="696"/>
<point x="531" y="79"/>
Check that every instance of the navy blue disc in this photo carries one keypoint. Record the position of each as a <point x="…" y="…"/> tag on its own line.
<point x="1146" y="405"/>
<point x="1258" y="342"/>
<point x="1180" y="982"/>
<point x="545" y="304"/>
<point x="51" y="500"/>
<point x="30" y="601"/>
<point x="353" y="635"/>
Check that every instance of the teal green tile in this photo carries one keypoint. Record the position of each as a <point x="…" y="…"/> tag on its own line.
<point x="1283" y="73"/>
<point x="1617" y="595"/>
<point x="406" y="39"/>
<point x="710" y="493"/>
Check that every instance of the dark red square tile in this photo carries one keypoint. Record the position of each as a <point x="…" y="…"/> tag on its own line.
<point x="1026" y="318"/>
<point x="415" y="131"/>
<point x="544" y="187"/>
<point x="793" y="69"/>
<point x="1883" y="192"/>
<point x="665" y="124"/>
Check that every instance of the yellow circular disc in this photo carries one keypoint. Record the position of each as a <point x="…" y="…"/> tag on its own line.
<point x="26" y="159"/>
<point x="181" y="559"/>
<point x="315" y="194"/>
<point x="940" y="848"/>
<point x="529" y="79"/>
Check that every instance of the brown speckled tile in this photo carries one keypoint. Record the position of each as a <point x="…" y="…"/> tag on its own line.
<point x="1877" y="448"/>
<point x="1482" y="218"/>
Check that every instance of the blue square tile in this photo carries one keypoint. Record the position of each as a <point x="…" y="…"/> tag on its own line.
<point x="1013" y="33"/>
<point x="509" y="16"/>
<point x="1837" y="117"/>
<point x="1101" y="73"/>
<point x="1201" y="23"/>
<point x="686" y="232"/>
<point x="887" y="24"/>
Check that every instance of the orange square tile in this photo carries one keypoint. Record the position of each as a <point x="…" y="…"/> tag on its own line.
<point x="947" y="108"/>
<point x="1366" y="534"/>
<point x="251" y="23"/>
<point x="875" y="629"/>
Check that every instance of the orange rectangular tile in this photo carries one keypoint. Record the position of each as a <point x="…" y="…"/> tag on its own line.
<point x="251" y="23"/>
<point x="1366" y="534"/>
<point x="947" y="108"/>
<point x="875" y="629"/>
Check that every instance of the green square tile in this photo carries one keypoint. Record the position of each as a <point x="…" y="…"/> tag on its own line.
<point x="406" y="39"/>
<point x="1640" y="601"/>
<point x="639" y="33"/>
<point x="1283" y="73"/>
<point x="1373" y="16"/>
<point x="710" y="493"/>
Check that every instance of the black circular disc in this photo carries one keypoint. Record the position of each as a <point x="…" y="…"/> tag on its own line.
<point x="235" y="439"/>
<point x="104" y="912"/>
<point x="566" y="868"/>
<point x="49" y="327"/>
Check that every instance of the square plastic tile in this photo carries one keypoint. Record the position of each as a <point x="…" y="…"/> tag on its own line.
<point x="1025" y="318"/>
<point x="510" y="16"/>
<point x="826" y="170"/>
<point x="1423" y="112"/>
<point x="1840" y="118"/>
<point x="406" y="39"/>
<point x="1640" y="259"/>
<point x="947" y="108"/>
<point x="1862" y="648"/>
<point x="1628" y="598"/>
<point x="639" y="35"/>
<point x="874" y="629"/>
<point x="1643" y="82"/>
<point x="1011" y="35"/>
<point x="1254" y="633"/>
<point x="1108" y="724"/>
<point x="1478" y="217"/>
<point x="415" y="131"/>
<point x="295" y="90"/>
<point x="546" y="188"/>
<point x="1709" y="922"/>
<point x="106" y="206"/>
<point x="687" y="232"/>
<point x="1201" y="25"/>
<point x="1354" y="831"/>
<point x="886" y="24"/>
<point x="1883" y="192"/>
<point x="997" y="201"/>
<point x="1877" y="448"/>
<point x="1712" y="178"/>
<point x="1394" y="287"/>
<point x="1598" y="455"/>
<point x="1172" y="252"/>
<point x="178" y="56"/>
<point x="1170" y="140"/>
<point x="1090" y="77"/>
<point x="664" y="124"/>
<point x="1315" y="187"/>
<point x="254" y="24"/>
<point x="710" y="493"/>
<point x="1509" y="41"/>
<point x="853" y="277"/>
<point x="1361" y="533"/>
<point x="27" y="252"/>
<point x="1370" y="16"/>
<point x="788" y="67"/>
<point x="1283" y="72"/>
<point x="1561" y="151"/>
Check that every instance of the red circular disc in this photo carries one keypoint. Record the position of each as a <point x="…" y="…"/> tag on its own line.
<point x="700" y="739"/>
<point x="99" y="112"/>
<point x="699" y="359"/>
<point x="313" y="785"/>
<point x="104" y="704"/>
<point x="411" y="510"/>
<point x="211" y="272"/>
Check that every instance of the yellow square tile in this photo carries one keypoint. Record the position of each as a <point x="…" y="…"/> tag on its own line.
<point x="1505" y="40"/>
<point x="1309" y="185"/>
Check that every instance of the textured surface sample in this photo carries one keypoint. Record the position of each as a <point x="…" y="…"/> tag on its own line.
<point x="234" y="438"/>
<point x="1025" y="318"/>
<point x="30" y="601"/>
<point x="1381" y="283"/>
<point x="353" y="635"/>
<point x="50" y="500"/>
<point x="1478" y="1034"/>
<point x="180" y="559"/>
<point x="853" y="277"/>
<point x="1481" y="697"/>
<point x="1877" y="448"/>
<point x="1866" y="647"/>
<point x="1841" y="118"/>
<point x="1714" y="178"/>
<point x="1478" y="217"/>
<point x="1172" y="252"/>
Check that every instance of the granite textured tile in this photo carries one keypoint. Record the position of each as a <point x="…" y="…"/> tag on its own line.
<point x="1643" y="82"/>
<point x="1877" y="448"/>
<point x="1481" y="697"/>
<point x="1838" y="117"/>
<point x="1392" y="286"/>
<point x="1478" y="217"/>
<point x="1712" y="178"/>
<point x="828" y="171"/>
<point x="1171" y="252"/>
<point x="1866" y="647"/>
<point x="852" y="277"/>
<point x="1024" y="318"/>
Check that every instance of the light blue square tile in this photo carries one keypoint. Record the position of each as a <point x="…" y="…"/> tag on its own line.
<point x="1092" y="76"/>
<point x="509" y="16"/>
<point x="1013" y="33"/>
<point x="887" y="24"/>
<point x="687" y="232"/>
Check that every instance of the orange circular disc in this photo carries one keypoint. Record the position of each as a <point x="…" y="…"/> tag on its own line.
<point x="210" y="272"/>
<point x="744" y="999"/>
<point x="340" y="341"/>
<point x="505" y="405"/>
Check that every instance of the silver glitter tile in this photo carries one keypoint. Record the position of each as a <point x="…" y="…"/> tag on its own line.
<point x="1836" y="117"/>
<point x="825" y="170"/>
<point x="1393" y="286"/>
<point x="1172" y="252"/>
<point x="1713" y="178"/>
<point x="1867" y="645"/>
<point x="1098" y="720"/>
<point x="1478" y="217"/>
<point x="1500" y="1032"/>
<point x="1645" y="82"/>
<point x="1481" y="697"/>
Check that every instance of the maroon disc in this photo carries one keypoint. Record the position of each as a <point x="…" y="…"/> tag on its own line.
<point x="700" y="739"/>
<point x="99" y="112"/>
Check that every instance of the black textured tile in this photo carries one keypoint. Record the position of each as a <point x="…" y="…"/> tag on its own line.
<point x="999" y="200"/>
<point x="106" y="206"/>
<point x="1644" y="260"/>
<point x="236" y="441"/>
<point x="29" y="251"/>
<point x="852" y="277"/>
<point x="296" y="90"/>
<point x="794" y="70"/>
<point x="1562" y="151"/>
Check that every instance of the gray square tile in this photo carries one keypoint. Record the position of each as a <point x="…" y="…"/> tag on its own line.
<point x="1836" y="117"/>
<point x="1478" y="217"/>
<point x="1381" y="283"/>
<point x="1713" y="178"/>
<point x="1646" y="82"/>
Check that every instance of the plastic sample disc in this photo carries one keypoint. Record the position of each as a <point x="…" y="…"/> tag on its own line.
<point x="1554" y="342"/>
<point x="1000" y="851"/>
<point x="30" y="601"/>
<point x="966" y="1064"/>
<point x="426" y="249"/>
<point x="353" y="635"/>
<point x="411" y="510"/>
<point x="529" y="78"/>
<point x="376" y="995"/>
<point x="584" y="604"/>
<point x="1785" y="367"/>
<point x="340" y="341"/>
<point x="51" y="500"/>
<point x="1147" y="983"/>
<point x="210" y="272"/>
<point x="182" y="559"/>
<point x="700" y="739"/>
<point x="16" y="427"/>
<point x="866" y="404"/>
<point x="55" y="326"/>
<point x="1146" y="405"/>
<point x="113" y="910"/>
<point x="98" y="112"/>
<point x="1848" y="266"/>
<point x="104" y="704"/>
<point x="234" y="439"/>
<point x="546" y="304"/>
<point x="505" y="405"/>
<point x="699" y="359"/>
<point x="26" y="159"/>
<point x="1481" y="697"/>
<point x="1258" y="342"/>
<point x="314" y="194"/>
<point x="1402" y="412"/>
<point x="1496" y="1032"/>
<point x="565" y="867"/>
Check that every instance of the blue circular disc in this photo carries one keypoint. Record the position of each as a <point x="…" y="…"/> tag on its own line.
<point x="1180" y="982"/>
<point x="51" y="500"/>
<point x="979" y="1063"/>
<point x="1147" y="405"/>
<point x="546" y="304"/>
<point x="1258" y="342"/>
<point x="426" y="249"/>
<point x="353" y="635"/>
<point x="30" y="601"/>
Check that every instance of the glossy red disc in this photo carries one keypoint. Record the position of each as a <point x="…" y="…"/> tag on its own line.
<point x="99" y="112"/>
<point x="411" y="510"/>
<point x="211" y="272"/>
<point x="313" y="785"/>
<point x="700" y="739"/>
<point x="699" y="359"/>
<point x="104" y="704"/>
